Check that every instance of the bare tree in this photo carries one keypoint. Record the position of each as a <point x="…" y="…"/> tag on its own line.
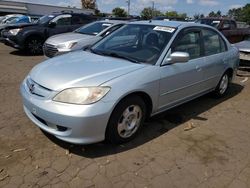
<point x="89" y="4"/>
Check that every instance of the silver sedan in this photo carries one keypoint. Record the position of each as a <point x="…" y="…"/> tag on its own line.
<point x="83" y="37"/>
<point x="140" y="70"/>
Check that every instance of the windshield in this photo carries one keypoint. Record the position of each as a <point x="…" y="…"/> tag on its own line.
<point x="8" y="20"/>
<point x="136" y="43"/>
<point x="23" y="19"/>
<point x="93" y="28"/>
<point x="45" y="19"/>
<point x="214" y="23"/>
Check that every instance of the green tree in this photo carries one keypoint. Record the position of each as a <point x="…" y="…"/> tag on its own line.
<point x="218" y="13"/>
<point x="215" y="14"/>
<point x="198" y="16"/>
<point x="119" y="12"/>
<point x="148" y="13"/>
<point x="89" y="4"/>
<point x="240" y="14"/>
<point x="235" y="13"/>
<point x="174" y="14"/>
<point x="246" y="13"/>
<point x="212" y="14"/>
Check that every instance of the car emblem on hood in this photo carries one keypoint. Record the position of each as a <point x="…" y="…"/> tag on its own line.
<point x="32" y="88"/>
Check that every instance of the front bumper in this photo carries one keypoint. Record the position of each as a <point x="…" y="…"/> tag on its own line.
<point x="10" y="43"/>
<point x="245" y="56"/>
<point x="78" y="124"/>
<point x="51" y="50"/>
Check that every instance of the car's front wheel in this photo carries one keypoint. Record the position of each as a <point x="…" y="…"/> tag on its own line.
<point x="126" y="120"/>
<point x="34" y="45"/>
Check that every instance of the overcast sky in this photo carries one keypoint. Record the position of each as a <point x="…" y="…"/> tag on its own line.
<point x="188" y="6"/>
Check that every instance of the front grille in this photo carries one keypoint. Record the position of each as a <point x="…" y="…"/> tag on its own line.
<point x="49" y="50"/>
<point x="37" y="89"/>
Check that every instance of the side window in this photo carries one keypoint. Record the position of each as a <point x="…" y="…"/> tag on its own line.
<point x="222" y="45"/>
<point x="190" y="43"/>
<point x="226" y="25"/>
<point x="213" y="43"/>
<point x="233" y="25"/>
<point x="63" y="20"/>
<point x="76" y="20"/>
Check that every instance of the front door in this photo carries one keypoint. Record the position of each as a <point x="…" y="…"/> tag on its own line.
<point x="182" y="81"/>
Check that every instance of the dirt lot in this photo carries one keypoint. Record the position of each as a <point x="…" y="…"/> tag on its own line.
<point x="205" y="143"/>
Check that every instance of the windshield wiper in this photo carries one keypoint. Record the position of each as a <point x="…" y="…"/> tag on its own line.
<point x="113" y="54"/>
<point x="95" y="51"/>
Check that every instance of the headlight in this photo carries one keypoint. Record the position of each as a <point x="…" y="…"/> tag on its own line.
<point x="15" y="31"/>
<point x="67" y="45"/>
<point x="86" y="95"/>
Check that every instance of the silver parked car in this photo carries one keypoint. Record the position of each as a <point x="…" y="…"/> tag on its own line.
<point x="140" y="70"/>
<point x="244" y="48"/>
<point x="80" y="38"/>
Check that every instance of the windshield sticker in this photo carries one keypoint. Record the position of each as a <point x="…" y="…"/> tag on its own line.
<point x="165" y="29"/>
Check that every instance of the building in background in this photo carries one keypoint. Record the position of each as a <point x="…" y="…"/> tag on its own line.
<point x="10" y="7"/>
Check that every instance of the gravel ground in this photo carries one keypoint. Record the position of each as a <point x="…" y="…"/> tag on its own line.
<point x="204" y="143"/>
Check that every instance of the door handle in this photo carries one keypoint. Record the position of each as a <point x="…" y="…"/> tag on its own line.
<point x="198" y="68"/>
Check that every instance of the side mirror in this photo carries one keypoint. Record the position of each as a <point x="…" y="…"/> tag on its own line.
<point x="52" y="24"/>
<point x="177" y="57"/>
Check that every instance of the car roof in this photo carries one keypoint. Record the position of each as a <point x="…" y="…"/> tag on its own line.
<point x="68" y="13"/>
<point x="112" y="21"/>
<point x="215" y="18"/>
<point x="174" y="24"/>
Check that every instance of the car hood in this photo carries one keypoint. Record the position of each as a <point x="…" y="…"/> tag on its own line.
<point x="243" y="46"/>
<point x="19" y="25"/>
<point x="79" y="69"/>
<point x="67" y="37"/>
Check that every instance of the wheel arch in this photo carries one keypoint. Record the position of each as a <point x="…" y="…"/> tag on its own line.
<point x="145" y="98"/>
<point x="230" y="72"/>
<point x="30" y="35"/>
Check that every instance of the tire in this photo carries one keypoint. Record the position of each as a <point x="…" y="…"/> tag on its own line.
<point x="126" y="120"/>
<point x="34" y="45"/>
<point x="223" y="86"/>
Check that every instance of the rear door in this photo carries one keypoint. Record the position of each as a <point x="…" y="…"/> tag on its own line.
<point x="215" y="63"/>
<point x="182" y="81"/>
<point x="80" y="20"/>
<point x="63" y="24"/>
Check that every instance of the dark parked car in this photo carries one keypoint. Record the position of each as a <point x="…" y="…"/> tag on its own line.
<point x="30" y="37"/>
<point x="228" y="28"/>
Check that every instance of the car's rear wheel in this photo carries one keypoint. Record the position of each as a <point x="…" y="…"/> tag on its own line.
<point x="223" y="85"/>
<point x="126" y="120"/>
<point x="34" y="45"/>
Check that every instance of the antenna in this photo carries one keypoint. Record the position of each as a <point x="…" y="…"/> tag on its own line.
<point x="128" y="2"/>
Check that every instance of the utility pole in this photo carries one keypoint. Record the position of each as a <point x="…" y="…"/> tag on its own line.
<point x="128" y="2"/>
<point x="153" y="8"/>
